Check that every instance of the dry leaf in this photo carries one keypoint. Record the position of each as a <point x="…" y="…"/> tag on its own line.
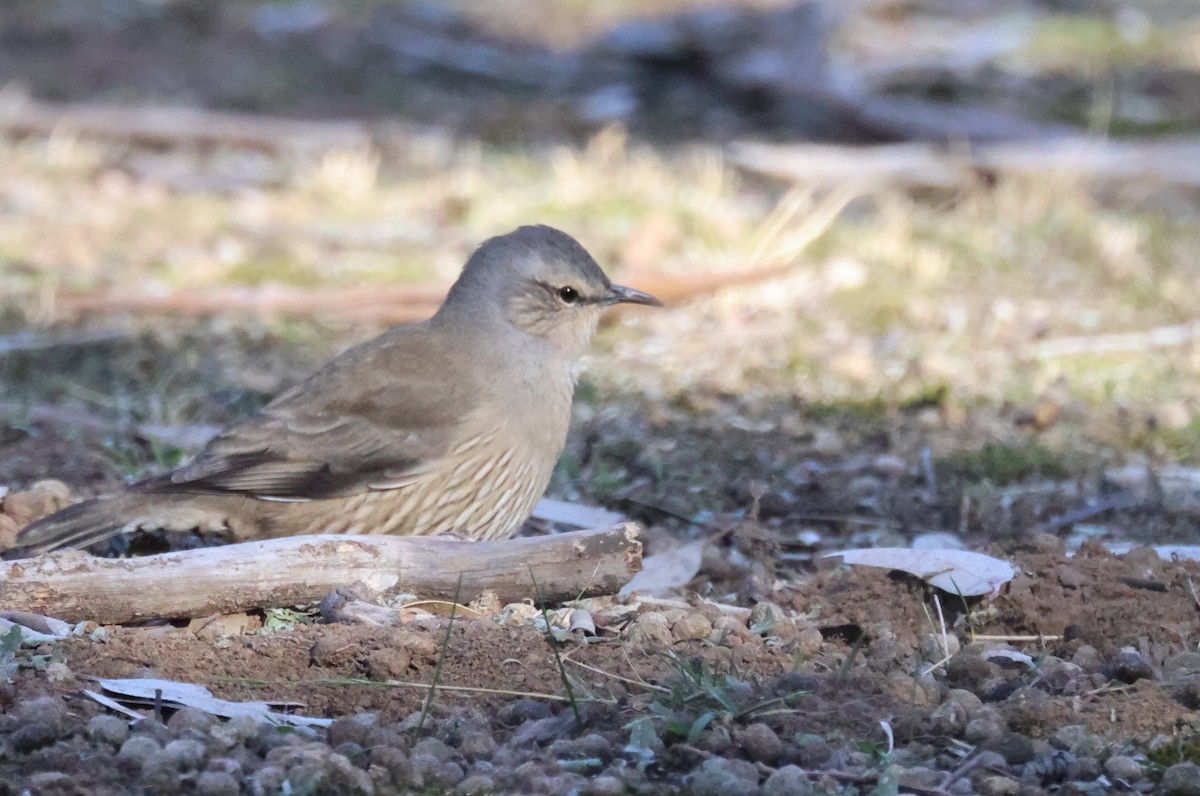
<point x="954" y="571"/>
<point x="665" y="572"/>
<point x="177" y="695"/>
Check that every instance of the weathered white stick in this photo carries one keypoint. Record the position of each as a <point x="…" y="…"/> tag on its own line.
<point x="300" y="569"/>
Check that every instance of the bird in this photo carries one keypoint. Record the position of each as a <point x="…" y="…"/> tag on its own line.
<point x="451" y="426"/>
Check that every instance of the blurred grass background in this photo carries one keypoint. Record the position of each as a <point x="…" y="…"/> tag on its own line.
<point x="915" y="313"/>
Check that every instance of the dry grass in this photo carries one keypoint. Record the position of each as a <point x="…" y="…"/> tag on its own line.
<point x="896" y="298"/>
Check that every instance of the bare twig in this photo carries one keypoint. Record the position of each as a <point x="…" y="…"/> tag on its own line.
<point x="302" y="569"/>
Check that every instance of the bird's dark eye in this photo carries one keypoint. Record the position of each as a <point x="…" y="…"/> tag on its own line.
<point x="568" y="294"/>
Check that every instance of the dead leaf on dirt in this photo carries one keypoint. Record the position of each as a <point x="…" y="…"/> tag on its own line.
<point x="178" y="695"/>
<point x="442" y="608"/>
<point x="662" y="573"/>
<point x="954" y="571"/>
<point x="34" y="628"/>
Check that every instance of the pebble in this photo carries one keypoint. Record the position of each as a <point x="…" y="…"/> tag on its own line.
<point x="353" y="729"/>
<point x="982" y="730"/>
<point x="936" y="647"/>
<point x="1123" y="768"/>
<point x="138" y="749"/>
<point x="691" y="626"/>
<point x="476" y="785"/>
<point x="108" y="730"/>
<point x="728" y="631"/>
<point x="477" y="744"/>
<point x="650" y="631"/>
<point x="190" y="720"/>
<point x="1181" y="779"/>
<point x="1079" y="740"/>
<point x="1014" y="747"/>
<point x="808" y="642"/>
<point x="719" y="776"/>
<point x="1130" y="666"/>
<point x="1088" y="658"/>
<point x="997" y="785"/>
<point x="604" y="785"/>
<point x="760" y="743"/>
<point x="217" y="783"/>
<point x="787" y="781"/>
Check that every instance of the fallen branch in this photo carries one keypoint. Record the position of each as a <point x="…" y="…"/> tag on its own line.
<point x="1120" y="343"/>
<point x="1164" y="161"/>
<point x="173" y="126"/>
<point x="302" y="569"/>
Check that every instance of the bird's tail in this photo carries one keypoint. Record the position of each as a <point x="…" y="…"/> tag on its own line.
<point x="75" y="526"/>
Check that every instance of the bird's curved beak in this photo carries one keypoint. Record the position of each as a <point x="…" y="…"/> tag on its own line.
<point x="619" y="294"/>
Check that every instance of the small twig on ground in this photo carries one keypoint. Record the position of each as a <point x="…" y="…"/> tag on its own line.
<point x="1128" y="342"/>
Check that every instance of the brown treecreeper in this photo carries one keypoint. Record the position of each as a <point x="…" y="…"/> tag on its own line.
<point x="448" y="426"/>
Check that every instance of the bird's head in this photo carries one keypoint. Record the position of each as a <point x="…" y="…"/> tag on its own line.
<point x="541" y="282"/>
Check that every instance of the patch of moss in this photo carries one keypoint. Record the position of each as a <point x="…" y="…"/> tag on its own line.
<point x="1002" y="464"/>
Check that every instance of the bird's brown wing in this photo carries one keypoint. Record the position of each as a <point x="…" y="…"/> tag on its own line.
<point x="377" y="417"/>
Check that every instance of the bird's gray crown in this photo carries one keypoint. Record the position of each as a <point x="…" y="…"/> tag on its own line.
<point x="532" y="276"/>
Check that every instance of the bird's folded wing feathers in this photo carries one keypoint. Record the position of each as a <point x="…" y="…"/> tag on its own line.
<point x="268" y="457"/>
<point x="309" y="444"/>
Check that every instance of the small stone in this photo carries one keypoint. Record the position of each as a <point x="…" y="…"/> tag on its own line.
<point x="269" y="779"/>
<point x="1181" y="779"/>
<point x="760" y="743"/>
<point x="1130" y="666"/>
<point x="524" y="710"/>
<point x="352" y="752"/>
<point x="691" y="626"/>
<point x="434" y="748"/>
<point x="936" y="647"/>
<point x="41" y="499"/>
<point x="787" y="781"/>
<point x="604" y="785"/>
<point x="33" y="735"/>
<point x="451" y="773"/>
<point x="808" y="642"/>
<point x="1123" y="768"/>
<point x="1183" y="666"/>
<point x="919" y="778"/>
<point x="46" y="710"/>
<point x="1083" y="769"/>
<point x="719" y="776"/>
<point x="916" y="691"/>
<point x="982" y="730"/>
<point x="650" y="632"/>
<point x="190" y="720"/>
<point x="217" y="783"/>
<point x="342" y="776"/>
<point x="728" y="631"/>
<point x="1079" y="740"/>
<point x="1015" y="748"/>
<point x="997" y="785"/>
<point x="1088" y="658"/>
<point x="477" y="744"/>
<point x="352" y="729"/>
<point x="765" y="617"/>
<point x="185" y="753"/>
<point x="58" y="673"/>
<point x="108" y="730"/>
<point x="49" y="782"/>
<point x="476" y="785"/>
<point x="137" y="750"/>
